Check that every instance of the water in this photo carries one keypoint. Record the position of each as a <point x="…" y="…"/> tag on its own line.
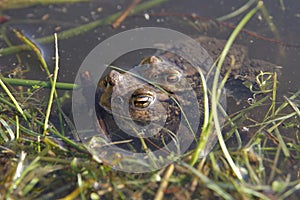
<point x="73" y="50"/>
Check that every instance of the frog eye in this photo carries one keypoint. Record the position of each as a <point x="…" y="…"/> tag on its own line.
<point x="142" y="100"/>
<point x="173" y="78"/>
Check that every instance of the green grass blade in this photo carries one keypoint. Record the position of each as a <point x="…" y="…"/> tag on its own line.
<point x="37" y="83"/>
<point x="216" y="90"/>
<point x="15" y="102"/>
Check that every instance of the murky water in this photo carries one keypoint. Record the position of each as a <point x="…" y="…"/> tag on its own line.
<point x="43" y="20"/>
<point x="39" y="21"/>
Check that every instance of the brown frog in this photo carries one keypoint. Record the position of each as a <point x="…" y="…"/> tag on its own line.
<point x="152" y="99"/>
<point x="143" y="110"/>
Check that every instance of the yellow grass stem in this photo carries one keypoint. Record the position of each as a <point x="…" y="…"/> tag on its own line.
<point x="52" y="92"/>
<point x="12" y="98"/>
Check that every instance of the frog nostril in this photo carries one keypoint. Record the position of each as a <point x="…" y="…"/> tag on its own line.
<point x="155" y="76"/>
<point x="118" y="100"/>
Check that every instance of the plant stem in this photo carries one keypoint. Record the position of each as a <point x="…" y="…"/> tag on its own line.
<point x="16" y="104"/>
<point x="33" y="83"/>
<point x="40" y="123"/>
<point x="53" y="91"/>
<point x="216" y="90"/>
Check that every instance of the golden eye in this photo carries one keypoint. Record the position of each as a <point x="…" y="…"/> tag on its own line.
<point x="142" y="100"/>
<point x="173" y="78"/>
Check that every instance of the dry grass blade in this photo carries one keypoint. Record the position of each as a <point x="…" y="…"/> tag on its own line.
<point x="164" y="183"/>
<point x="123" y="16"/>
<point x="209" y="183"/>
<point x="293" y="105"/>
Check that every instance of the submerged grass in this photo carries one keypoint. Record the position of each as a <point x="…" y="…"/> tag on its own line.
<point x="34" y="165"/>
<point x="9" y="4"/>
<point x="80" y="29"/>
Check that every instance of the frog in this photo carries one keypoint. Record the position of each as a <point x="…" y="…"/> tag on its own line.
<point x="154" y="92"/>
<point x="138" y="108"/>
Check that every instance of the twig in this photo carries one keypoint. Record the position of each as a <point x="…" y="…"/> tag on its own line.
<point x="123" y="16"/>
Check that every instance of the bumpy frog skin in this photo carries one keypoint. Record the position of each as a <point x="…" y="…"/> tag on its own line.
<point x="119" y="89"/>
<point x="138" y="105"/>
<point x="149" y="100"/>
<point x="154" y="69"/>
